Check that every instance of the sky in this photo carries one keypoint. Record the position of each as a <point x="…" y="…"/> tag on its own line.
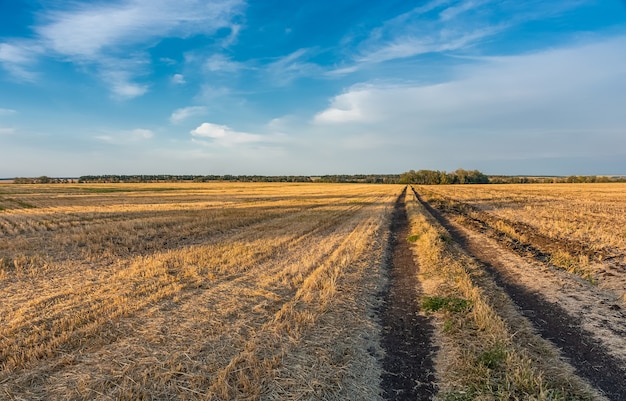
<point x="282" y="87"/>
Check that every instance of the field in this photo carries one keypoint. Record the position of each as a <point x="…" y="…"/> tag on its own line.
<point x="213" y="291"/>
<point x="558" y="252"/>
<point x="312" y="292"/>
<point x="579" y="227"/>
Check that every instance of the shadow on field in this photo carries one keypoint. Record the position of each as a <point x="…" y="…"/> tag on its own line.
<point x="591" y="359"/>
<point x="407" y="335"/>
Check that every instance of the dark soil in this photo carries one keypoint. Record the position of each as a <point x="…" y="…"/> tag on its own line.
<point x="591" y="359"/>
<point x="407" y="335"/>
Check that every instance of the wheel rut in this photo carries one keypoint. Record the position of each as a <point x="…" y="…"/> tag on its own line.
<point x="407" y="335"/>
<point x="591" y="359"/>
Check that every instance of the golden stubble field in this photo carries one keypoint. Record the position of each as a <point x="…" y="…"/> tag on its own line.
<point x="191" y="291"/>
<point x="578" y="227"/>
<point x="248" y="291"/>
<point x="544" y="267"/>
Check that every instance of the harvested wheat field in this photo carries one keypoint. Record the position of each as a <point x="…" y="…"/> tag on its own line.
<point x="558" y="254"/>
<point x="242" y="291"/>
<point x="191" y="291"/>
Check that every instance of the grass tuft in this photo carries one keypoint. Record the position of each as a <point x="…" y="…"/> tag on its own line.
<point x="448" y="304"/>
<point x="412" y="238"/>
<point x="492" y="358"/>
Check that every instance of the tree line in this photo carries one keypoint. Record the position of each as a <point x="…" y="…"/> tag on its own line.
<point x="420" y="177"/>
<point x="436" y="177"/>
<point x="357" y="178"/>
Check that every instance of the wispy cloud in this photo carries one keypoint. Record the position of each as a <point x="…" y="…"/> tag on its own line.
<point x="438" y="26"/>
<point x="7" y="131"/>
<point x="18" y="58"/>
<point x="7" y="112"/>
<point x="181" y="115"/>
<point x="569" y="99"/>
<point x="121" y="83"/>
<point x="87" y="30"/>
<point x="292" y="66"/>
<point x="101" y="35"/>
<point x="126" y="137"/>
<point x="449" y="26"/>
<point x="220" y="63"/>
<point x="442" y="41"/>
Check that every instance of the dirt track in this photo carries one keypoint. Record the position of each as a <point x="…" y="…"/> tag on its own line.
<point x="566" y="310"/>
<point x="407" y="335"/>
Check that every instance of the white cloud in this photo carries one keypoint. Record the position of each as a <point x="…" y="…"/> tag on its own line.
<point x="281" y="124"/>
<point x="409" y="46"/>
<point x="347" y="107"/>
<point x="224" y="135"/>
<point x="343" y="70"/>
<point x="121" y="76"/>
<point x="18" y="57"/>
<point x="210" y="93"/>
<point x="232" y="37"/>
<point x="102" y="35"/>
<point x="451" y="26"/>
<point x="7" y="112"/>
<point x="7" y="131"/>
<point x="141" y="133"/>
<point x="566" y="101"/>
<point x="181" y="115"/>
<point x="456" y="10"/>
<point x="219" y="62"/>
<point x="126" y="137"/>
<point x="121" y="86"/>
<point x="11" y="53"/>
<point x="86" y="30"/>
<point x="128" y="90"/>
<point x="288" y="68"/>
<point x="178" y="79"/>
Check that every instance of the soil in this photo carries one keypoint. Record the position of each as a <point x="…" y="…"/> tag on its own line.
<point x="407" y="335"/>
<point x="579" y="318"/>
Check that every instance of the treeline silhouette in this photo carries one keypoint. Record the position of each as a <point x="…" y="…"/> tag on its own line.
<point x="572" y="179"/>
<point x="358" y="178"/>
<point x="420" y="177"/>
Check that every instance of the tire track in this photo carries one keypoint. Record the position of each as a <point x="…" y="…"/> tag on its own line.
<point x="407" y="335"/>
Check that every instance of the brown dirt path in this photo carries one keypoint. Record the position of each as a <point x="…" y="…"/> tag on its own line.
<point x="533" y="289"/>
<point x="407" y="335"/>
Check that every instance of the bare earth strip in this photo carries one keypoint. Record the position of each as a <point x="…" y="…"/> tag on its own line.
<point x="565" y="309"/>
<point x="407" y="334"/>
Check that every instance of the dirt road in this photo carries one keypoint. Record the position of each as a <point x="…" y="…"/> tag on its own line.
<point x="407" y="335"/>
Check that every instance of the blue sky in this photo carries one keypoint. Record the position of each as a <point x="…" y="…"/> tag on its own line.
<point x="312" y="87"/>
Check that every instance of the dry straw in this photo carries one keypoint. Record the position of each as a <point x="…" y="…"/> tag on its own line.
<point x="191" y="291"/>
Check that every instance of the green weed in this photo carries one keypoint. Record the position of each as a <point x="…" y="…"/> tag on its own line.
<point x="492" y="358"/>
<point x="449" y="304"/>
<point x="413" y="238"/>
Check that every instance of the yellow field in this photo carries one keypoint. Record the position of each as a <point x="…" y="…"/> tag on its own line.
<point x="191" y="291"/>
<point x="594" y="214"/>
<point x="578" y="227"/>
